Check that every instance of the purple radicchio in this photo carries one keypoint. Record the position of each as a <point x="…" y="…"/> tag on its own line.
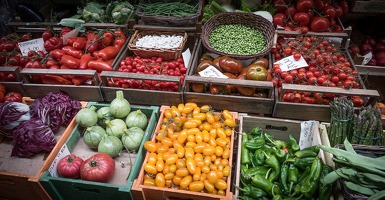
<point x="11" y="114"/>
<point x="55" y="109"/>
<point x="32" y="137"/>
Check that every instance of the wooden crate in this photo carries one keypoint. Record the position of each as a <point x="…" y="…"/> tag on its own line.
<point x="19" y="177"/>
<point x="301" y="111"/>
<point x="236" y="102"/>
<point x="368" y="6"/>
<point x="140" y="191"/>
<point x="119" y="187"/>
<point x="80" y="92"/>
<point x="279" y="128"/>
<point x="142" y="96"/>
<point x="13" y="86"/>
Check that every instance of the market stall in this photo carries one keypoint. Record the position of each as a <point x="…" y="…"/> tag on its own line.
<point x="192" y="99"/>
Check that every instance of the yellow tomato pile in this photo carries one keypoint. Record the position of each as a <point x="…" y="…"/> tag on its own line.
<point x="191" y="150"/>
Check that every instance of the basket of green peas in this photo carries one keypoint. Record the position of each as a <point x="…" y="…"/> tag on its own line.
<point x="238" y="35"/>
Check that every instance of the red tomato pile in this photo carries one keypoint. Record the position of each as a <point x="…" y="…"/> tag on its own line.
<point x="154" y="65"/>
<point x="305" y="15"/>
<point x="328" y="67"/>
<point x="9" y="96"/>
<point x="375" y="46"/>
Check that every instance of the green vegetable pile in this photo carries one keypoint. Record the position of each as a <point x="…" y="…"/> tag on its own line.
<point x="119" y="12"/>
<point x="110" y="128"/>
<point x="275" y="169"/>
<point x="93" y="12"/>
<point x="237" y="39"/>
<point x="175" y="9"/>
<point x="361" y="174"/>
<point x="368" y="127"/>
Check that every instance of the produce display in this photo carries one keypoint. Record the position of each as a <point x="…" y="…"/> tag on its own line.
<point x="32" y="127"/>
<point x="155" y="66"/>
<point x="327" y="66"/>
<point x="359" y="173"/>
<point x="10" y="54"/>
<point x="191" y="150"/>
<point x="276" y="169"/>
<point x="372" y="48"/>
<point x="257" y="70"/>
<point x="9" y="96"/>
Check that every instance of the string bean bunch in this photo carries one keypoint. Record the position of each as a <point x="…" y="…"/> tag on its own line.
<point x="174" y="9"/>
<point x="237" y="39"/>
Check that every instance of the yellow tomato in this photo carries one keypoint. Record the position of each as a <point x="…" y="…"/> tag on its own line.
<point x="196" y="110"/>
<point x="185" y="182"/>
<point x="208" y="186"/>
<point x="212" y="177"/>
<point x="169" y="176"/>
<point x="172" y="159"/>
<point x="228" y="131"/>
<point x="162" y="149"/>
<point x="200" y="147"/>
<point x="196" y="186"/>
<point x="199" y="137"/>
<point x="227" y="115"/>
<point x="209" y="150"/>
<point x="180" y="152"/>
<point x="210" y="117"/>
<point x="167" y="114"/>
<point x="193" y="131"/>
<point x="180" y="163"/>
<point x="187" y="109"/>
<point x="220" y="184"/>
<point x="190" y="124"/>
<point x="175" y="111"/>
<point x="151" y="158"/>
<point x="172" y="168"/>
<point x="149" y="182"/>
<point x="230" y="123"/>
<point x="226" y="153"/>
<point x="206" y="136"/>
<point x="191" y="145"/>
<point x="192" y="104"/>
<point x="159" y="180"/>
<point x="197" y="174"/>
<point x="168" y="183"/>
<point x="167" y="141"/>
<point x="191" y="166"/>
<point x="200" y="116"/>
<point x="182" y="172"/>
<point x="159" y="165"/>
<point x="180" y="107"/>
<point x="205" y="169"/>
<point x="221" y="133"/>
<point x="205" y="108"/>
<point x="150" y="146"/>
<point x="176" y="180"/>
<point x="226" y="171"/>
<point x="221" y="142"/>
<point x="182" y="137"/>
<point x="221" y="192"/>
<point x="150" y="168"/>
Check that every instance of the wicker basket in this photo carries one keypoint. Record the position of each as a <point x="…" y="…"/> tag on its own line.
<point x="247" y="19"/>
<point x="170" y="20"/>
<point x="365" y="150"/>
<point x="166" y="54"/>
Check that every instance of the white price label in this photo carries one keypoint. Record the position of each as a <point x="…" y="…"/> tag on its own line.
<point x="186" y="55"/>
<point x="212" y="72"/>
<point x="307" y="130"/>
<point x="31" y="45"/>
<point x="367" y="58"/>
<point x="288" y="63"/>
<point x="61" y="154"/>
<point x="70" y="34"/>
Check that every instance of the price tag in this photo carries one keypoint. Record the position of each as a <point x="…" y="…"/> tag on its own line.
<point x="367" y="58"/>
<point x="61" y="154"/>
<point x="212" y="72"/>
<point x="70" y="34"/>
<point x="31" y="45"/>
<point x="288" y="63"/>
<point x="307" y="131"/>
<point x="186" y="55"/>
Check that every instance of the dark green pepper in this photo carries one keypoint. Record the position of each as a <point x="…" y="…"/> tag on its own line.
<point x="315" y="149"/>
<point x="302" y="163"/>
<point x="280" y="154"/>
<point x="252" y="191"/>
<point x="293" y="145"/>
<point x="273" y="162"/>
<point x="284" y="177"/>
<point x="256" y="132"/>
<point x="277" y="197"/>
<point x="243" y="174"/>
<point x="245" y="158"/>
<point x="310" y="185"/>
<point x="325" y="191"/>
<point x="269" y="187"/>
<point x="261" y="170"/>
<point x="305" y="154"/>
<point x="267" y="149"/>
<point x="259" y="157"/>
<point x="293" y="176"/>
<point x="252" y="160"/>
<point x="301" y="180"/>
<point x="255" y="144"/>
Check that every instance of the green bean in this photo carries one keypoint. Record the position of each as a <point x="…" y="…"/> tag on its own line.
<point x="237" y="39"/>
<point x="176" y="9"/>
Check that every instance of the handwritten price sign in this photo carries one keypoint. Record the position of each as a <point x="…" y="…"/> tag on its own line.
<point x="288" y="63"/>
<point x="212" y="72"/>
<point x="31" y="45"/>
<point x="307" y="131"/>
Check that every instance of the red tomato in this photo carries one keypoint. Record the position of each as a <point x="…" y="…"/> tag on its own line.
<point x="279" y="19"/>
<point x="13" y="97"/>
<point x="99" y="168"/>
<point x="302" y="18"/>
<point x="319" y="24"/>
<point x="297" y="56"/>
<point x="304" y="5"/>
<point x="330" y="12"/>
<point x="69" y="166"/>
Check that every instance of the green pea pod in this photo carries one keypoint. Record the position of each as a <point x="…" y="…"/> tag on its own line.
<point x="310" y="185"/>
<point x="259" y="157"/>
<point x="305" y="154"/>
<point x="269" y="187"/>
<point x="252" y="191"/>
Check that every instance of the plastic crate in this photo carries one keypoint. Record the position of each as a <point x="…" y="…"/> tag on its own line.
<point x="120" y="185"/>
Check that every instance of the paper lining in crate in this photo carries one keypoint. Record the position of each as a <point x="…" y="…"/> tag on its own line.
<point x="306" y="133"/>
<point x="166" y="53"/>
<point x="141" y="191"/>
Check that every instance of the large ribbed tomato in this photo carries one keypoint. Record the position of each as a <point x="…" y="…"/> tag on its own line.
<point x="99" y="168"/>
<point x="69" y="166"/>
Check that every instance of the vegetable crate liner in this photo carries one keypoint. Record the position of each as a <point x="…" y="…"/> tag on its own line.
<point x="120" y="185"/>
<point x="239" y="103"/>
<point x="166" y="54"/>
<point x="278" y="128"/>
<point x="365" y="150"/>
<point x="141" y="191"/>
<point x="171" y="20"/>
<point x="246" y="19"/>
<point x="19" y="177"/>
<point x="302" y="111"/>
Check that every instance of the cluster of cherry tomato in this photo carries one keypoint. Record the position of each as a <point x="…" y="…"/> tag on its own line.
<point x="9" y="96"/>
<point x="314" y="15"/>
<point x="327" y="67"/>
<point x="191" y="150"/>
<point x="154" y="65"/>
